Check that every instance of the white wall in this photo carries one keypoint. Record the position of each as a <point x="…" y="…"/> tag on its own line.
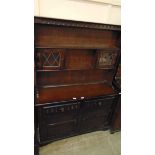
<point x="36" y="8"/>
<point x="100" y="11"/>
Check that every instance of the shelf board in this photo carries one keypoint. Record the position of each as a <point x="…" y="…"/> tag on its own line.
<point x="60" y="70"/>
<point x="104" y="47"/>
<point x="51" y="94"/>
<point x="75" y="84"/>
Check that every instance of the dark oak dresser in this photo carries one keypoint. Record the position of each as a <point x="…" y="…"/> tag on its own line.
<point x="75" y="66"/>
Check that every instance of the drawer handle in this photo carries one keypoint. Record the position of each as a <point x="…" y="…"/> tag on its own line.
<point x="74" y="98"/>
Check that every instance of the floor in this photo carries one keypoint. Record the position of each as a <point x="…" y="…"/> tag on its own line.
<point x="95" y="143"/>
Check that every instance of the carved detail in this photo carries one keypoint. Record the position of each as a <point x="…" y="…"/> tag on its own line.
<point x="70" y="23"/>
<point x="106" y="59"/>
<point x="61" y="109"/>
<point x="49" y="58"/>
<point x="97" y="104"/>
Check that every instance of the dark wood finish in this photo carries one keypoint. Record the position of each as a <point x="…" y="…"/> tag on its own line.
<point x="57" y="120"/>
<point x="116" y="122"/>
<point x="73" y="77"/>
<point x="118" y="76"/>
<point x="79" y="59"/>
<point x="70" y="23"/>
<point x="64" y="93"/>
<point x="71" y="118"/>
<point x="106" y="59"/>
<point x="49" y="59"/>
<point x="74" y="59"/>
<point x="52" y="36"/>
<point x="36" y="145"/>
<point x="75" y="67"/>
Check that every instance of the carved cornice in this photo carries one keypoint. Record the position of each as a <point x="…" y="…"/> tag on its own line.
<point x="70" y="23"/>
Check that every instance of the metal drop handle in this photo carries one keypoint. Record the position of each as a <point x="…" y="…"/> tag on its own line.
<point x="74" y="98"/>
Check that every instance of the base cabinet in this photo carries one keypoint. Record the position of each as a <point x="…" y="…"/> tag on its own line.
<point x="60" y="120"/>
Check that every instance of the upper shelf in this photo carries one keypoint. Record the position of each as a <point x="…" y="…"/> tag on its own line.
<point x="48" y="36"/>
<point x="84" y="46"/>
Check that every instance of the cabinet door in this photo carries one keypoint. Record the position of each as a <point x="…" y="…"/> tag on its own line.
<point x="51" y="132"/>
<point x="58" y="121"/>
<point x="95" y="114"/>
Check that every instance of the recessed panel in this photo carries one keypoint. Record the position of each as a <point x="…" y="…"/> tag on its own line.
<point x="106" y="59"/>
<point x="66" y="77"/>
<point x="79" y="59"/>
<point x="52" y="36"/>
<point x="48" y="59"/>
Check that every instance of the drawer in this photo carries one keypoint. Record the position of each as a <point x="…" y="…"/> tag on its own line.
<point x="50" y="132"/>
<point x="99" y="107"/>
<point x="60" y="113"/>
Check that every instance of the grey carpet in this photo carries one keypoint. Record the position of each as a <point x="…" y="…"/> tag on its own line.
<point x="95" y="143"/>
